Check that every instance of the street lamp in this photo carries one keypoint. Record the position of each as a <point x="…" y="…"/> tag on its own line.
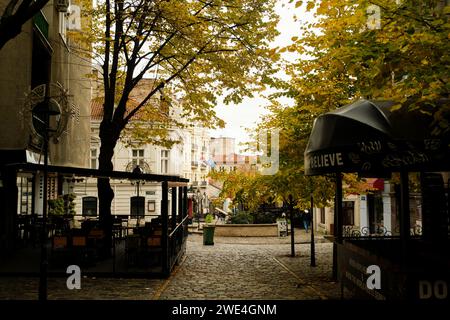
<point x="41" y="123"/>
<point x="199" y="205"/>
<point x="291" y="216"/>
<point x="313" y="245"/>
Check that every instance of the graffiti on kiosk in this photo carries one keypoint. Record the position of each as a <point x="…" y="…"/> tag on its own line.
<point x="370" y="147"/>
<point x="409" y="158"/>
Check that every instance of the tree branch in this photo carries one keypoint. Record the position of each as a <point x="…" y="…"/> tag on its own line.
<point x="11" y="21"/>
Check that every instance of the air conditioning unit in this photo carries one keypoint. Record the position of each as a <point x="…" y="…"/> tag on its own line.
<point x="62" y="5"/>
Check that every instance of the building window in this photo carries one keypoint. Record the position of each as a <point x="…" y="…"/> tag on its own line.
<point x="137" y="157"/>
<point x="94" y="159"/>
<point x="25" y="195"/>
<point x="322" y="215"/>
<point x="348" y="211"/>
<point x="52" y="187"/>
<point x="89" y="206"/>
<point x="164" y="161"/>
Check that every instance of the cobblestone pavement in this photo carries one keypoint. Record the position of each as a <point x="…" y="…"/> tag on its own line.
<point x="244" y="268"/>
<point x="234" y="268"/>
<point x="91" y="289"/>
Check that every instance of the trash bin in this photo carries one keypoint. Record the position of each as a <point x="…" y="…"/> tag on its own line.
<point x="208" y="235"/>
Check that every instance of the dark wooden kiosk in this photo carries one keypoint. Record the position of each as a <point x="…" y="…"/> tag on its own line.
<point x="138" y="251"/>
<point x="381" y="140"/>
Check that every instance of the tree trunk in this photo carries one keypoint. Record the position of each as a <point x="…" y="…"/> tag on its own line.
<point x="9" y="33"/>
<point x="105" y="192"/>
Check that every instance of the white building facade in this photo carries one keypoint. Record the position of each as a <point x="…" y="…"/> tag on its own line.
<point x="186" y="159"/>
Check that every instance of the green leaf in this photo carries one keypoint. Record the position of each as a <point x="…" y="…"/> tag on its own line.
<point x="396" y="107"/>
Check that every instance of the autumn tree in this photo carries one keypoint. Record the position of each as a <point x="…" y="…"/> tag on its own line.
<point x="395" y="50"/>
<point x="294" y="128"/>
<point x="15" y="14"/>
<point x="243" y="186"/>
<point x="199" y="50"/>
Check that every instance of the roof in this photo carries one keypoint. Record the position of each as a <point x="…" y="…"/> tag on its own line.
<point x="97" y="108"/>
<point x="138" y="94"/>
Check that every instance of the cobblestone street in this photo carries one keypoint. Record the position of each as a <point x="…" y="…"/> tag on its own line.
<point x="234" y="268"/>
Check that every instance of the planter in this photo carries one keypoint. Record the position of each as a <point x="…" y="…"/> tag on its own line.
<point x="208" y="235"/>
<point x="247" y="230"/>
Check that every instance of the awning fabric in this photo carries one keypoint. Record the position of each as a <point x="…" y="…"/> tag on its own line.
<point x="372" y="138"/>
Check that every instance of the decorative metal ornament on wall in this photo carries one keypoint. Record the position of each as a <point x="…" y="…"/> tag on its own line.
<point x="144" y="165"/>
<point x="58" y="97"/>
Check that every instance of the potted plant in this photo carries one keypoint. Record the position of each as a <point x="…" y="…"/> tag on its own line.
<point x="62" y="209"/>
<point x="208" y="230"/>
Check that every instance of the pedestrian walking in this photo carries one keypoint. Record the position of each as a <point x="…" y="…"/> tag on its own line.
<point x="306" y="219"/>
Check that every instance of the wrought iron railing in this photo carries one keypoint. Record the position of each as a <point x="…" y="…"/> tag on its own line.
<point x="177" y="242"/>
<point x="377" y="231"/>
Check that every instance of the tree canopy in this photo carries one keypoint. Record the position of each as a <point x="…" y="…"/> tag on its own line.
<point x="388" y="50"/>
<point x="194" y="50"/>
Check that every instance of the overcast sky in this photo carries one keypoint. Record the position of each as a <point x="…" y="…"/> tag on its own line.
<point x="246" y="114"/>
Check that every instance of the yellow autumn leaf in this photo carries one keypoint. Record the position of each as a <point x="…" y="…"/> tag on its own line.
<point x="298" y="4"/>
<point x="310" y="5"/>
<point x="396" y="107"/>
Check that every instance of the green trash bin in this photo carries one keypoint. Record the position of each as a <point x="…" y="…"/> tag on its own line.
<point x="208" y="235"/>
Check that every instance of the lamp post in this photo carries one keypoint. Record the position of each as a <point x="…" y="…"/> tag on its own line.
<point x="41" y="122"/>
<point x="138" y="170"/>
<point x="199" y="204"/>
<point x="291" y="217"/>
<point x="313" y="245"/>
